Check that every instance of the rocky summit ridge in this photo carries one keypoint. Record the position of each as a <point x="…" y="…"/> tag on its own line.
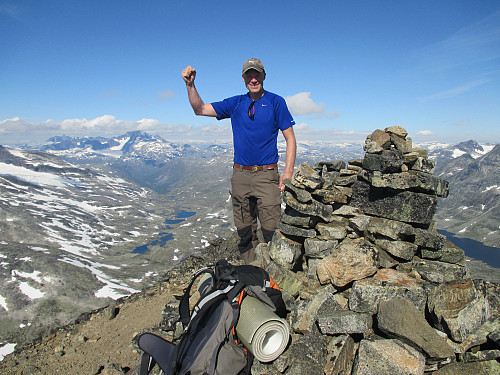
<point x="370" y="285"/>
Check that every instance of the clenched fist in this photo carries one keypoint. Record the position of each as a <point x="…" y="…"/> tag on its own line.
<point x="189" y="74"/>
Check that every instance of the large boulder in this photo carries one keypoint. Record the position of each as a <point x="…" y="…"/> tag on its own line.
<point x="386" y="284"/>
<point x="400" y="319"/>
<point x="412" y="180"/>
<point x="458" y="308"/>
<point x="283" y="250"/>
<point x="314" y="208"/>
<point x="336" y="322"/>
<point x="351" y="260"/>
<point x="405" y="206"/>
<point x="388" y="161"/>
<point x="434" y="271"/>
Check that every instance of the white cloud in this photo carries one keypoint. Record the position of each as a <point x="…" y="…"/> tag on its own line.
<point x="216" y="129"/>
<point x="20" y="130"/>
<point x="12" y="125"/>
<point x="306" y="133"/>
<point x="148" y="124"/>
<point x="102" y="123"/>
<point x="165" y="95"/>
<point x="302" y="127"/>
<point x="302" y="104"/>
<point x="172" y="128"/>
<point x="424" y="132"/>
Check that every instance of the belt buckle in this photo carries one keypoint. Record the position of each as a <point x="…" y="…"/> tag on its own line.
<point x="255" y="168"/>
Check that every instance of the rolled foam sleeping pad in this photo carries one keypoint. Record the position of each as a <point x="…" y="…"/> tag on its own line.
<point x="262" y="332"/>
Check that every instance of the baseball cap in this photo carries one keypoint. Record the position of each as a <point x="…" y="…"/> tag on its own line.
<point x="253" y="64"/>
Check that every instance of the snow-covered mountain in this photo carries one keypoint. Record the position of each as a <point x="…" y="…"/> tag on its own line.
<point x="72" y="237"/>
<point x="472" y="209"/>
<point x="469" y="150"/>
<point x="136" y="146"/>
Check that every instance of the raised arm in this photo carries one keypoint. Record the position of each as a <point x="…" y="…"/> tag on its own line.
<point x="199" y="107"/>
<point x="291" y="149"/>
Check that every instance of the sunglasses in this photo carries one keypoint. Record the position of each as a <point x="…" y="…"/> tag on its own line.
<point x="251" y="110"/>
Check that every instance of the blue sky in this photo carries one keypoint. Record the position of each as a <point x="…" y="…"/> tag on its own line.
<point x="345" y="68"/>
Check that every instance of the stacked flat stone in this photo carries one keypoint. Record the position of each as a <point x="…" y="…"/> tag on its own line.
<point x="366" y="273"/>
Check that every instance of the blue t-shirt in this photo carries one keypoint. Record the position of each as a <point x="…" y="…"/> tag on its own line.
<point x="255" y="141"/>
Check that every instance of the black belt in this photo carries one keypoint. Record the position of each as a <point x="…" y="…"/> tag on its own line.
<point x="255" y="167"/>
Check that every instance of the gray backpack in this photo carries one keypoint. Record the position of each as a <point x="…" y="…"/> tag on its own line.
<point x="209" y="344"/>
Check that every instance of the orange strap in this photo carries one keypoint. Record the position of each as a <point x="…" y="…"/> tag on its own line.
<point x="240" y="297"/>
<point x="273" y="284"/>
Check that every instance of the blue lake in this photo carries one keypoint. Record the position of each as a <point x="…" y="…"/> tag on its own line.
<point x="180" y="217"/>
<point x="475" y="249"/>
<point x="183" y="214"/>
<point x="173" y="221"/>
<point x="161" y="241"/>
<point x="164" y="236"/>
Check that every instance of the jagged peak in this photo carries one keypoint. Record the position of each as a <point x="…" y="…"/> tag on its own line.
<point x="470" y="146"/>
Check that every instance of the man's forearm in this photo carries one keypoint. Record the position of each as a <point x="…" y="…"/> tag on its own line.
<point x="195" y="99"/>
<point x="198" y="105"/>
<point x="291" y="150"/>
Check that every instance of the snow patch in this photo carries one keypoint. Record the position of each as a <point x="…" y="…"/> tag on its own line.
<point x="111" y="287"/>
<point x="6" y="350"/>
<point x="122" y="143"/>
<point x="3" y="303"/>
<point x="457" y="153"/>
<point x="487" y="148"/>
<point x="109" y="291"/>
<point x="35" y="178"/>
<point x="31" y="292"/>
<point x="490" y="188"/>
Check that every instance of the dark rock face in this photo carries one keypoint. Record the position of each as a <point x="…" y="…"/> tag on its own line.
<point x="388" y="161"/>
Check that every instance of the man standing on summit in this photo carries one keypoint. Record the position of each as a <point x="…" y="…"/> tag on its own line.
<point x="256" y="118"/>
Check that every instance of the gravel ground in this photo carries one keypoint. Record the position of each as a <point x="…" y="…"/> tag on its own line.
<point x="101" y="345"/>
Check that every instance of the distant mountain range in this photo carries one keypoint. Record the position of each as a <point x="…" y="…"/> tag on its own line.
<point x="177" y="169"/>
<point x="472" y="209"/>
<point x="83" y="220"/>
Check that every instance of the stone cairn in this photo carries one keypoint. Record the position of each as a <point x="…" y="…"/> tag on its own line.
<point x="371" y="286"/>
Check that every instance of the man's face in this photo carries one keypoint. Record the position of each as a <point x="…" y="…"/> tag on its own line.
<point x="254" y="81"/>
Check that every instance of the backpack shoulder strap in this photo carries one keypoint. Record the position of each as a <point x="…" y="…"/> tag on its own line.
<point x="184" y="312"/>
<point x="156" y="350"/>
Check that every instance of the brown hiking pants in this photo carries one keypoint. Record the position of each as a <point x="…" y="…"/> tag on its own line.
<point x="255" y="195"/>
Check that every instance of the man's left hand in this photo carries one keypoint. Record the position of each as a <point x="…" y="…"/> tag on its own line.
<point x="285" y="175"/>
